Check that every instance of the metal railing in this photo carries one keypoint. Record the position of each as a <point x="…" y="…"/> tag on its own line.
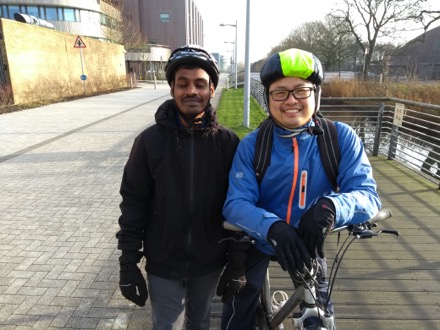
<point x="405" y="131"/>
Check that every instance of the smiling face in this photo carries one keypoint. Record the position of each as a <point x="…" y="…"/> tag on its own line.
<point x="192" y="91"/>
<point x="291" y="113"/>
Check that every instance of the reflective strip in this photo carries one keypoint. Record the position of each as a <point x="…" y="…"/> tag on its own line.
<point x="303" y="190"/>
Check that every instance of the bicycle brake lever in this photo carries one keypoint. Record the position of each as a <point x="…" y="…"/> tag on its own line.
<point x="362" y="231"/>
<point x="388" y="231"/>
<point x="367" y="233"/>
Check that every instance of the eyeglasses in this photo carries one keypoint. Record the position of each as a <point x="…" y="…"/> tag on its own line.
<point x="298" y="93"/>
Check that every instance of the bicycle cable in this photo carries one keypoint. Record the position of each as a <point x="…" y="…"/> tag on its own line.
<point x="336" y="264"/>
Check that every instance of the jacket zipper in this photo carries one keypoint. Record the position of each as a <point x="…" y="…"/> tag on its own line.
<point x="191" y="204"/>
<point x="294" y="180"/>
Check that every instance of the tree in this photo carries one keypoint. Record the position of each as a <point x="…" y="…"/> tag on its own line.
<point x="307" y="37"/>
<point x="338" y="46"/>
<point x="119" y="27"/>
<point x="331" y="41"/>
<point x="428" y="17"/>
<point x="370" y="20"/>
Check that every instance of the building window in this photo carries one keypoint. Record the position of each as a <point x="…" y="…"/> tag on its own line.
<point x="164" y="17"/>
<point x="33" y="10"/>
<point x="69" y="15"/>
<point x="51" y="14"/>
<point x="12" y="10"/>
<point x="60" y="14"/>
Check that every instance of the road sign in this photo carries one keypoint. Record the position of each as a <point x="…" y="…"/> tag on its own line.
<point x="83" y="77"/>
<point x="79" y="43"/>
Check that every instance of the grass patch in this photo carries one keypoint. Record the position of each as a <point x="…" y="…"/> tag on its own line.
<point x="231" y="108"/>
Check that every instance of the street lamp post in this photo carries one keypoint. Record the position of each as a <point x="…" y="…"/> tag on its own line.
<point x="232" y="66"/>
<point x="235" y="49"/>
<point x="247" y="69"/>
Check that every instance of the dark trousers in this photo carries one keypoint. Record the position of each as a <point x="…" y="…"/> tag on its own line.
<point x="239" y="311"/>
<point x="177" y="305"/>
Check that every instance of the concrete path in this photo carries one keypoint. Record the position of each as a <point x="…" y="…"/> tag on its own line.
<point x="60" y="170"/>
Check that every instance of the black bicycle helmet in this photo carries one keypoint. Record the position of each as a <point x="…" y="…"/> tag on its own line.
<point x="292" y="63"/>
<point x="192" y="55"/>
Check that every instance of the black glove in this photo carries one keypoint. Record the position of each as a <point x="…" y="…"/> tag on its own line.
<point x="233" y="278"/>
<point x="289" y="247"/>
<point x="315" y="225"/>
<point x="132" y="284"/>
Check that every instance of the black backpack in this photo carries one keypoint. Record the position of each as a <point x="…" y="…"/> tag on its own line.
<point x="327" y="142"/>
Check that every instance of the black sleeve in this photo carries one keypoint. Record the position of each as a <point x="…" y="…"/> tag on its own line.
<point x="136" y="190"/>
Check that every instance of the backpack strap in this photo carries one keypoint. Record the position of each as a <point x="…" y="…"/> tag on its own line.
<point x="329" y="149"/>
<point x="263" y="148"/>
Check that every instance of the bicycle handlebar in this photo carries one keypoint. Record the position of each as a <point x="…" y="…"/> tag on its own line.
<point x="229" y="226"/>
<point x="381" y="215"/>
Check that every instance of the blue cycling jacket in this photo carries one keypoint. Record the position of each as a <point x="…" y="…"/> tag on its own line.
<point x="296" y="180"/>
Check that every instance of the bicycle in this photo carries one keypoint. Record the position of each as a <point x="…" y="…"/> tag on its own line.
<point x="271" y="313"/>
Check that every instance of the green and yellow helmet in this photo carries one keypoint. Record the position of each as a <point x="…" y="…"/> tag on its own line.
<point x="292" y="62"/>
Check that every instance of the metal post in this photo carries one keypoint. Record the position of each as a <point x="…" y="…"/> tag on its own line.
<point x="82" y="70"/>
<point x="393" y="142"/>
<point x="235" y="50"/>
<point x="378" y="130"/>
<point x="247" y="70"/>
<point x="235" y="54"/>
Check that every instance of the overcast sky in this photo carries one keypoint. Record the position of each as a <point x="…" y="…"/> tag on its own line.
<point x="271" y="21"/>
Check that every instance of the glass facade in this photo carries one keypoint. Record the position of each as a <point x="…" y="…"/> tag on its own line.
<point x="57" y="14"/>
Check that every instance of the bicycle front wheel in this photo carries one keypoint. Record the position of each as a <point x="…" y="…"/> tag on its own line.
<point x="260" y="319"/>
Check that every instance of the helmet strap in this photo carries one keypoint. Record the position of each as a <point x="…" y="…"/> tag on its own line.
<point x="317" y="99"/>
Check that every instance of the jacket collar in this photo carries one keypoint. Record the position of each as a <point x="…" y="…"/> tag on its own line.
<point x="167" y="115"/>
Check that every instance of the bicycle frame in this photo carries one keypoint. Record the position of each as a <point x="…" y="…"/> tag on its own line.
<point x="306" y="292"/>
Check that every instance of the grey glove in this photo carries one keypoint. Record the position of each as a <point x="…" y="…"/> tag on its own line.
<point x="132" y="284"/>
<point x="289" y="247"/>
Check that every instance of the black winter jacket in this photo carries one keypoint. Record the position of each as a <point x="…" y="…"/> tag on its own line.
<point x="173" y="189"/>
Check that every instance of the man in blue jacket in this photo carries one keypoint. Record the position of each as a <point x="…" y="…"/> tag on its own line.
<point x="291" y="211"/>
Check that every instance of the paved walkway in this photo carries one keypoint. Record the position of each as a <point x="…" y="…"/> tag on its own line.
<point x="60" y="171"/>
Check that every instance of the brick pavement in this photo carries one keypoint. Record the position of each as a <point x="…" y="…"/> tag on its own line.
<point x="60" y="170"/>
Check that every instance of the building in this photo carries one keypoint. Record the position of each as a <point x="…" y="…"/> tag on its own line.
<point x="89" y="18"/>
<point x="164" y="26"/>
<point x="418" y="59"/>
<point x="173" y="23"/>
<point x="160" y="25"/>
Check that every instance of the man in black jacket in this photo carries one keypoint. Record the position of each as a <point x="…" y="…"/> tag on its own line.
<point x="173" y="188"/>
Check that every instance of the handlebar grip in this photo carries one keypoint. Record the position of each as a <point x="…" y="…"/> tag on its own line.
<point x="381" y="215"/>
<point x="230" y="226"/>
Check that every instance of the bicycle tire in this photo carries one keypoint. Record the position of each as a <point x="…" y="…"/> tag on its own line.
<point x="264" y="306"/>
<point x="260" y="319"/>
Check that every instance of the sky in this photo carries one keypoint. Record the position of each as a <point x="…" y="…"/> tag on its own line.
<point x="271" y="21"/>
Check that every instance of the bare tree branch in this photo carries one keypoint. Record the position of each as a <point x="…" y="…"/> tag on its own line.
<point x="370" y="20"/>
